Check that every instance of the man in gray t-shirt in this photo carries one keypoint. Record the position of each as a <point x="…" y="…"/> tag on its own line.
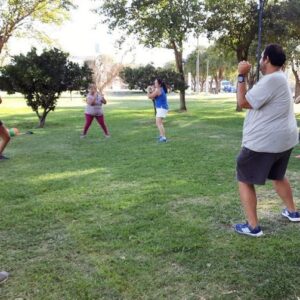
<point x="269" y="135"/>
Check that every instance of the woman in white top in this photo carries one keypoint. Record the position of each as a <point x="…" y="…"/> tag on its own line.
<point x="93" y="110"/>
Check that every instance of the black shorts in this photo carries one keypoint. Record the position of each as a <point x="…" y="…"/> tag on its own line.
<point x="1" y="123"/>
<point x="256" y="167"/>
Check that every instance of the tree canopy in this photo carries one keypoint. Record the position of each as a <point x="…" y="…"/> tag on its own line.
<point x="18" y="16"/>
<point x="141" y="77"/>
<point x="41" y="78"/>
<point x="157" y="23"/>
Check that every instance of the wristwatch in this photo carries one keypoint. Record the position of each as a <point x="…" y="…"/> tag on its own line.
<point x="241" y="78"/>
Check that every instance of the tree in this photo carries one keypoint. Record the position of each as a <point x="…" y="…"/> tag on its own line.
<point x="17" y="17"/>
<point x="104" y="70"/>
<point x="221" y="64"/>
<point x="42" y="78"/>
<point x="293" y="53"/>
<point x="235" y="25"/>
<point x="157" y="23"/>
<point x="190" y="67"/>
<point x="141" y="77"/>
<point x="287" y="33"/>
<point x="78" y="78"/>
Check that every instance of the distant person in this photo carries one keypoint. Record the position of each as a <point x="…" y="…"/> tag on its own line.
<point x="93" y="109"/>
<point x="269" y="135"/>
<point x="3" y="276"/>
<point x="5" y="138"/>
<point x="159" y="95"/>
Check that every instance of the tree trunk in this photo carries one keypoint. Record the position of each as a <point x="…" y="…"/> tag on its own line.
<point x="42" y="118"/>
<point x="220" y="78"/>
<point x="297" y="89"/>
<point x="179" y="65"/>
<point x="1" y="44"/>
<point x="297" y="81"/>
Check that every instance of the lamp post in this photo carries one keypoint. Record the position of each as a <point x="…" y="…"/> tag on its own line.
<point x="198" y="68"/>
<point x="260" y="7"/>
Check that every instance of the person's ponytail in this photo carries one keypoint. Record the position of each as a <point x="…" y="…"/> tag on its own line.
<point x="163" y="85"/>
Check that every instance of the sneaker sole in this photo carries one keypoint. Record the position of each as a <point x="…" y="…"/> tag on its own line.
<point x="4" y="280"/>
<point x="250" y="234"/>
<point x="290" y="219"/>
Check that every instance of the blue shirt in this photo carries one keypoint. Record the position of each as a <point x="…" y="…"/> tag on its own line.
<point x="161" y="101"/>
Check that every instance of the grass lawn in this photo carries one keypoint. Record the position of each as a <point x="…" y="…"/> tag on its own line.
<point x="128" y="218"/>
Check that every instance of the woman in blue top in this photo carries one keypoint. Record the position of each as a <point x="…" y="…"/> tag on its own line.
<point x="159" y="95"/>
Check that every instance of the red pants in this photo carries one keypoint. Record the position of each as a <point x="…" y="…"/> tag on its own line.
<point x="88" y="121"/>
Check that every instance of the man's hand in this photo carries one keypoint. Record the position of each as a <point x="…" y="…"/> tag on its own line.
<point x="244" y="67"/>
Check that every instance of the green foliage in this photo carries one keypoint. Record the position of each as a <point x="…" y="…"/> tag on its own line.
<point x="158" y="23"/>
<point x="234" y="24"/>
<point x="281" y="22"/>
<point x="155" y="23"/>
<point x="221" y="64"/>
<point x="42" y="78"/>
<point x="140" y="78"/>
<point x="22" y="17"/>
<point x="78" y="78"/>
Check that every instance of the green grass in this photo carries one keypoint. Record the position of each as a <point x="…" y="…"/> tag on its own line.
<point x="127" y="218"/>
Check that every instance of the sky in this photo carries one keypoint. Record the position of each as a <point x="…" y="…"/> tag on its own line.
<point x="83" y="36"/>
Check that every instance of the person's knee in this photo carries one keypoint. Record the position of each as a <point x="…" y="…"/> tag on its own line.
<point x="277" y="182"/>
<point x="5" y="136"/>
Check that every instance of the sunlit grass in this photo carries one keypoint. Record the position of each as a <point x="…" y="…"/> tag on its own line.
<point x="128" y="218"/>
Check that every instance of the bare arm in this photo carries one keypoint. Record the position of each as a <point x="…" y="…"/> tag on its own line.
<point x="154" y="94"/>
<point x="243" y="69"/>
<point x="0" y="100"/>
<point x="103" y="100"/>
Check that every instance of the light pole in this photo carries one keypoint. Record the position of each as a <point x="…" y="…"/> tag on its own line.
<point x="198" y="68"/>
<point x="207" y="72"/>
<point x="260" y="7"/>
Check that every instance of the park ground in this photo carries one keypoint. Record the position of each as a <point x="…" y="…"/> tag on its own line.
<point x="128" y="218"/>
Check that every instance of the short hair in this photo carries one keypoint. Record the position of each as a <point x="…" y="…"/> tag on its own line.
<point x="275" y="54"/>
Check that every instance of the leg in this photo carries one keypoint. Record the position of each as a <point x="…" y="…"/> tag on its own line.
<point x="100" y="120"/>
<point x="284" y="191"/>
<point x="5" y="138"/>
<point x="249" y="202"/>
<point x="88" y="121"/>
<point x="160" y="126"/>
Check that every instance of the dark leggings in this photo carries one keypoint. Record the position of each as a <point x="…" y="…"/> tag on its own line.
<point x="88" y="121"/>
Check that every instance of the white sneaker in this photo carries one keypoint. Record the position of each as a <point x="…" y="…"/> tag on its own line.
<point x="292" y="216"/>
<point x="3" y="276"/>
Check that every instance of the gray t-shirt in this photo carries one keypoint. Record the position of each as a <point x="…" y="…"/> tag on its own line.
<point x="271" y="125"/>
<point x="95" y="109"/>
